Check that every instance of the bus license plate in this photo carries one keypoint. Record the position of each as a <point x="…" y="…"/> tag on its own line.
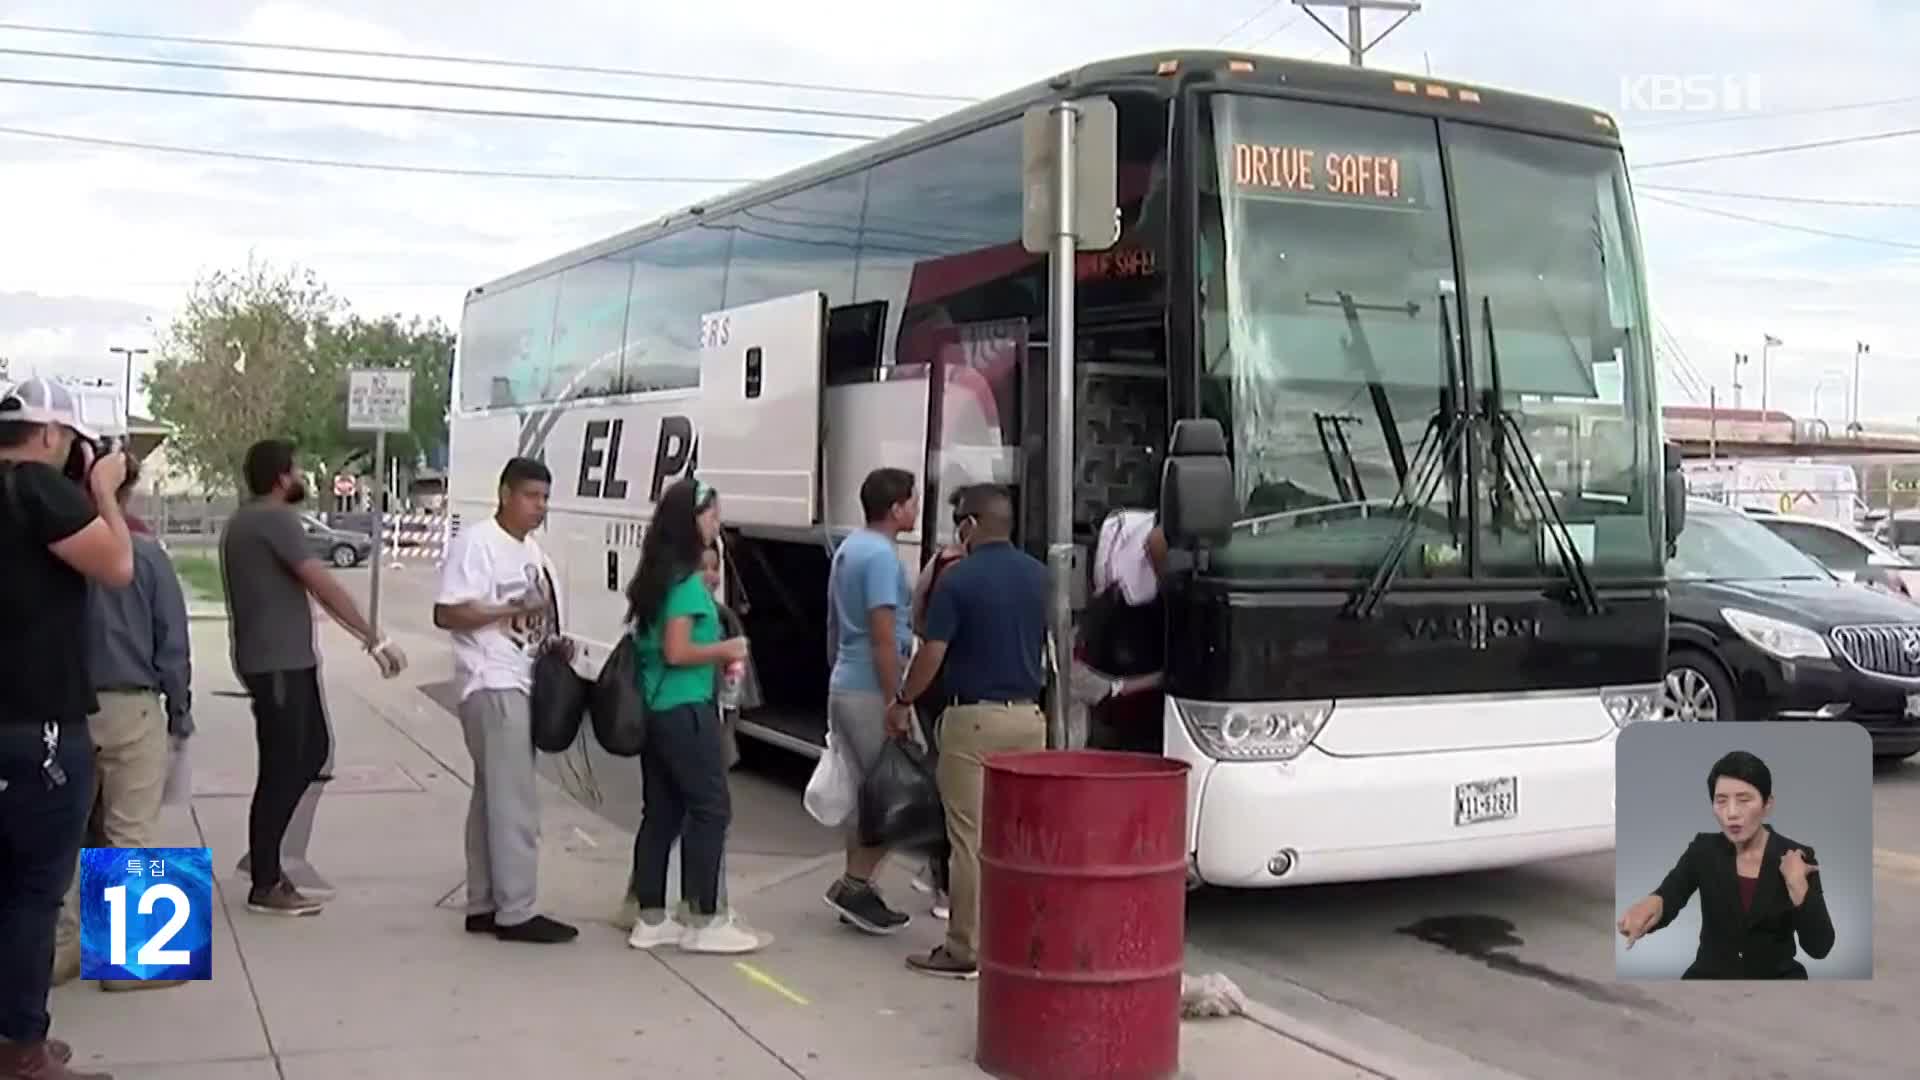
<point x="1486" y="800"/>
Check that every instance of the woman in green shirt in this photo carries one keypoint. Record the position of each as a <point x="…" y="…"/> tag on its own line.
<point x="676" y="631"/>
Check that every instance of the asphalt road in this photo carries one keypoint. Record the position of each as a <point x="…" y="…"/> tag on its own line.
<point x="1523" y="976"/>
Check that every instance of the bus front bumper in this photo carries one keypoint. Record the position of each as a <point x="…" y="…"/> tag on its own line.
<point x="1321" y="818"/>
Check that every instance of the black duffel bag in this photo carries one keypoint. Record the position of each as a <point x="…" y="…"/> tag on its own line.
<point x="618" y="708"/>
<point x="560" y="698"/>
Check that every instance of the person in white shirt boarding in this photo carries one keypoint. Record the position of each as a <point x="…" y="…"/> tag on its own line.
<point x="869" y="635"/>
<point x="496" y="596"/>
<point x="52" y="544"/>
<point x="271" y="580"/>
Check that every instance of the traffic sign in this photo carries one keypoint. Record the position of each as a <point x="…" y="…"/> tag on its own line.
<point x="379" y="400"/>
<point x="343" y="486"/>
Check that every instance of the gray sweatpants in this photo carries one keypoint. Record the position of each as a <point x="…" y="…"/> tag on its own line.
<point x="503" y="817"/>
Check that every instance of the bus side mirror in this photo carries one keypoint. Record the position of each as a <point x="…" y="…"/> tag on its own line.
<point x="1197" y="503"/>
<point x="1676" y="485"/>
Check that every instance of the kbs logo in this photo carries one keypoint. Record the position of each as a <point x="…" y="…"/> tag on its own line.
<point x="676" y="453"/>
<point x="1689" y="93"/>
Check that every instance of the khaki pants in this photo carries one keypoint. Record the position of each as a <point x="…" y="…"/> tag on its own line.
<point x="129" y="777"/>
<point x="968" y="734"/>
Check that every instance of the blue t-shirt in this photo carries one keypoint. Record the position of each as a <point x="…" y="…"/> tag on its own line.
<point x="867" y="574"/>
<point x="991" y="610"/>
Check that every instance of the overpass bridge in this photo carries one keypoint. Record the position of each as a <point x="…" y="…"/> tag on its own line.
<point x="1703" y="432"/>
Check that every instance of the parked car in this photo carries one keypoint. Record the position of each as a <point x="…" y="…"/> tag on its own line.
<point x="1759" y="630"/>
<point x="341" y="547"/>
<point x="1849" y="554"/>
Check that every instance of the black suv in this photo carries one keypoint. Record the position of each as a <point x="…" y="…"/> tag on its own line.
<point x="1758" y="630"/>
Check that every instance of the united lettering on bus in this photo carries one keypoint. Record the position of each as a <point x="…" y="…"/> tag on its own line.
<point x="1301" y="170"/>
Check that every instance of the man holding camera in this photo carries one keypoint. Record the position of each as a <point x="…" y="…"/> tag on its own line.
<point x="142" y="678"/>
<point x="60" y="528"/>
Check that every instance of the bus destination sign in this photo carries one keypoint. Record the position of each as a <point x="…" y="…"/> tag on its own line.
<point x="1321" y="175"/>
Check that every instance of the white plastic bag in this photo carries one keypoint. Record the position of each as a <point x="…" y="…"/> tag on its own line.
<point x="831" y="793"/>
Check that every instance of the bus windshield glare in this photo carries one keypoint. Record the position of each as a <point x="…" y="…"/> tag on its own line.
<point x="1346" y="280"/>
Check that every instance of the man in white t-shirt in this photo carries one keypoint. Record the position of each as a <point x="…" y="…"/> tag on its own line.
<point x="496" y="596"/>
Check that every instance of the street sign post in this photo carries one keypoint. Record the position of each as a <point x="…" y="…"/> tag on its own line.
<point x="378" y="401"/>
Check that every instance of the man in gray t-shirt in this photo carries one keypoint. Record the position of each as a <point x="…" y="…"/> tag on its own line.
<point x="269" y="573"/>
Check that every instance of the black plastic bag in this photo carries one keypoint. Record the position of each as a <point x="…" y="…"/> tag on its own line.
<point x="900" y="800"/>
<point x="559" y="698"/>
<point x="619" y="711"/>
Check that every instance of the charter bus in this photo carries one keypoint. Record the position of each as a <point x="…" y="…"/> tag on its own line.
<point x="1406" y="315"/>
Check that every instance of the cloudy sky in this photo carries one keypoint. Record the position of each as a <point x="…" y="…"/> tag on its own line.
<point x="100" y="239"/>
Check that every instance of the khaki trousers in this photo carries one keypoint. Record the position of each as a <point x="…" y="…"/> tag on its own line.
<point x="968" y="734"/>
<point x="129" y="778"/>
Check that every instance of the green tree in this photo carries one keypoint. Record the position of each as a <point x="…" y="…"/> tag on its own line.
<point x="240" y="364"/>
<point x="422" y="346"/>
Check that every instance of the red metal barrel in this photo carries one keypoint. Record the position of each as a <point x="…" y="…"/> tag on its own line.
<point x="1083" y="869"/>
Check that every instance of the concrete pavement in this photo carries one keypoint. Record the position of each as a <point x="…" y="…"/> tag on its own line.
<point x="385" y="983"/>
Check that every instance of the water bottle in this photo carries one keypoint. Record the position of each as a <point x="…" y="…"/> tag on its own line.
<point x="731" y="682"/>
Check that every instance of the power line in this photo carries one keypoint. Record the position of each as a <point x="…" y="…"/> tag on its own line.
<point x="1806" y="199"/>
<point x="1903" y="245"/>
<point x="1284" y="27"/>
<point x="483" y="61"/>
<point x="1250" y="20"/>
<point x="443" y="84"/>
<point x="444" y="110"/>
<point x="374" y="166"/>
<point x="1764" y="151"/>
<point x="1775" y="114"/>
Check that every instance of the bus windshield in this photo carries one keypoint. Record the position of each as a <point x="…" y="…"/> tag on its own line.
<point x="1351" y="286"/>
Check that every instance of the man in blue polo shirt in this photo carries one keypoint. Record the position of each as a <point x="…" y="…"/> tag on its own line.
<point x="987" y="622"/>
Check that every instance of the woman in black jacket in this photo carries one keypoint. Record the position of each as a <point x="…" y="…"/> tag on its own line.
<point x="1759" y="891"/>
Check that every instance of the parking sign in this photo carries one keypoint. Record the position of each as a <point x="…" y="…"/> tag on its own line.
<point x="379" y="400"/>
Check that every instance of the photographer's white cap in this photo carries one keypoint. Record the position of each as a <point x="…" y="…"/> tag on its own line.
<point x="43" y="401"/>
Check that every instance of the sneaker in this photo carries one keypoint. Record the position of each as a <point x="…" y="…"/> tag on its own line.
<point x="538" y="930"/>
<point x="481" y="923"/>
<point x="942" y="964"/>
<point x="862" y="905"/>
<point x="721" y="934"/>
<point x="651" y="933"/>
<point x="923" y="881"/>
<point x="942" y="906"/>
<point x="282" y="899"/>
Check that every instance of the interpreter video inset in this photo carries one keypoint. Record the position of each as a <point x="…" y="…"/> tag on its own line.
<point x="1743" y="851"/>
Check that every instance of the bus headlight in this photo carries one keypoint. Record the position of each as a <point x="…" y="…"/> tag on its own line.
<point x="1631" y="704"/>
<point x="1248" y="731"/>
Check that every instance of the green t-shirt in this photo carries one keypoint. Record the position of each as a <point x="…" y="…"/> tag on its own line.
<point x="661" y="685"/>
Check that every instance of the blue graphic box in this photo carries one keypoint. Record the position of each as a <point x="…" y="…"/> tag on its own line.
<point x="146" y="913"/>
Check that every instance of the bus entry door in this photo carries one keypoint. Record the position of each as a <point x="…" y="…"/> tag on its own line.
<point x="759" y="409"/>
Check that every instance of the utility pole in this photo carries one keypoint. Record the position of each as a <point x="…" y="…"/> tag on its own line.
<point x="1355" y="38"/>
<point x="1766" y="371"/>
<point x="1860" y="348"/>
<point x="127" y="385"/>
<point x="1739" y="360"/>
<point x="1713" y="423"/>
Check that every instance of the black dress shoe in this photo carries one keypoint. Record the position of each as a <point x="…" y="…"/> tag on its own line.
<point x="480" y="924"/>
<point x="538" y="930"/>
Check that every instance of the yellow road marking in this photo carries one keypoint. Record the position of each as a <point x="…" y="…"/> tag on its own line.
<point x="756" y="975"/>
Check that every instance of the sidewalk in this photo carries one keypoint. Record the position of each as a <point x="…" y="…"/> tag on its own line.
<point x="386" y="984"/>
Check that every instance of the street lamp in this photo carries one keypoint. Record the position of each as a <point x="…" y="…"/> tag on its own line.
<point x="1860" y="349"/>
<point x="1739" y="361"/>
<point x="128" y="384"/>
<point x="1765" y="371"/>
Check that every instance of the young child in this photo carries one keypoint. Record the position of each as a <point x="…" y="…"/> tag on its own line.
<point x="733" y="678"/>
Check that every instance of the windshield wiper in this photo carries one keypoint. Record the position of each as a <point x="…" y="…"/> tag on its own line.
<point x="1522" y="467"/>
<point x="1436" y="458"/>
